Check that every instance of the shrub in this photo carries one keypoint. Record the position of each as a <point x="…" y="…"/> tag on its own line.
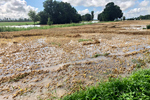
<point x="49" y="22"/>
<point x="148" y="26"/>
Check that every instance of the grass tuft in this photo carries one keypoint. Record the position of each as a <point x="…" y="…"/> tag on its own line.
<point x="82" y="40"/>
<point x="97" y="55"/>
<point x="139" y="62"/>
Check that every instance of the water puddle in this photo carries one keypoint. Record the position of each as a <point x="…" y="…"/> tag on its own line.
<point x="91" y="22"/>
<point x="135" y="27"/>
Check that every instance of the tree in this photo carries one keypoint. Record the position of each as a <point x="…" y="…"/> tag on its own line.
<point x="43" y="17"/>
<point x="86" y="17"/>
<point x="110" y="13"/>
<point x="92" y="13"/>
<point x="124" y="18"/>
<point x="33" y="16"/>
<point x="49" y="22"/>
<point x="61" y="12"/>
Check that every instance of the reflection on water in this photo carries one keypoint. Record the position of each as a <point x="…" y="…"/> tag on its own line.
<point x="91" y="22"/>
<point x="25" y="26"/>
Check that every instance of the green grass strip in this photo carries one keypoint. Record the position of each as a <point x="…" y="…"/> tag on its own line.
<point x="136" y="87"/>
<point x="9" y="29"/>
<point x="82" y="40"/>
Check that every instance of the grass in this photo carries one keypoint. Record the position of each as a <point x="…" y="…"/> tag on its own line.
<point x="135" y="87"/>
<point x="9" y="29"/>
<point x="97" y="55"/>
<point x="82" y="40"/>
<point x="17" y="78"/>
<point x="16" y="23"/>
<point x="53" y="43"/>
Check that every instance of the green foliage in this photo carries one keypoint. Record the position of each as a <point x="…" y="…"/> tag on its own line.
<point x="97" y="55"/>
<point x="53" y="43"/>
<point x="16" y="79"/>
<point x="148" y="26"/>
<point x="43" y="17"/>
<point x="82" y="40"/>
<point x="34" y="17"/>
<point x="124" y="18"/>
<point x="86" y="17"/>
<point x="49" y="22"/>
<point x="60" y="12"/>
<point x="136" y="87"/>
<point x="110" y="13"/>
<point x="92" y="14"/>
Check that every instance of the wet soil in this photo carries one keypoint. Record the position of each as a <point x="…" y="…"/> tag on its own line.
<point x="48" y="64"/>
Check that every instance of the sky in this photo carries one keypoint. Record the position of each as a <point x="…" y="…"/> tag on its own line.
<point x="20" y="8"/>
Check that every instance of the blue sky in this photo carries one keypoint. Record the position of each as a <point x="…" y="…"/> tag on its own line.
<point x="20" y="8"/>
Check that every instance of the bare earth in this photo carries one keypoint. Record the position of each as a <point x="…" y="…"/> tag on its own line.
<point x="48" y="64"/>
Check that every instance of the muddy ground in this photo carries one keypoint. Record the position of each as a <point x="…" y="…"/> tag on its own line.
<point x="48" y="64"/>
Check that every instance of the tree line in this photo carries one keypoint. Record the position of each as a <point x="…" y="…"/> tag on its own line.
<point x="146" y="17"/>
<point x="56" y="12"/>
<point x="15" y="20"/>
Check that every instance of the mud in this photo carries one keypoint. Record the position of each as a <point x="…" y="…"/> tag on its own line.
<point x="48" y="64"/>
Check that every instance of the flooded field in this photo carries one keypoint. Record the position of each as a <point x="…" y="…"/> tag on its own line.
<point x="48" y="64"/>
<point x="24" y="26"/>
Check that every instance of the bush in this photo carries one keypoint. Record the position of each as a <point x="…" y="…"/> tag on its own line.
<point x="49" y="22"/>
<point x="148" y="26"/>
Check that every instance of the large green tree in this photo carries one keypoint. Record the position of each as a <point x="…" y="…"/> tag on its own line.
<point x="43" y="17"/>
<point x="34" y="17"/>
<point x="60" y="12"/>
<point x="86" y="17"/>
<point x="110" y="13"/>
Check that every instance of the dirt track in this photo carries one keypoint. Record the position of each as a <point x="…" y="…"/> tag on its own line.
<point x="42" y="64"/>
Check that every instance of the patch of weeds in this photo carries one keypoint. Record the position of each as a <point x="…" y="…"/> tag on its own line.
<point x="82" y="40"/>
<point x="147" y="57"/>
<point x="97" y="55"/>
<point x="39" y="98"/>
<point x="18" y="77"/>
<point x="53" y="43"/>
<point x="139" y="62"/>
<point x="106" y="54"/>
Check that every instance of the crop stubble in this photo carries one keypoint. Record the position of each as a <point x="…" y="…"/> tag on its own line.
<point x="42" y="64"/>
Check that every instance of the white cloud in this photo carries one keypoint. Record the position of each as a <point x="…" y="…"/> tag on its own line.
<point x="136" y="12"/>
<point x="144" y="3"/>
<point x="83" y="12"/>
<point x="124" y="4"/>
<point x="96" y="14"/>
<point x="15" y="9"/>
<point x="127" y="6"/>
